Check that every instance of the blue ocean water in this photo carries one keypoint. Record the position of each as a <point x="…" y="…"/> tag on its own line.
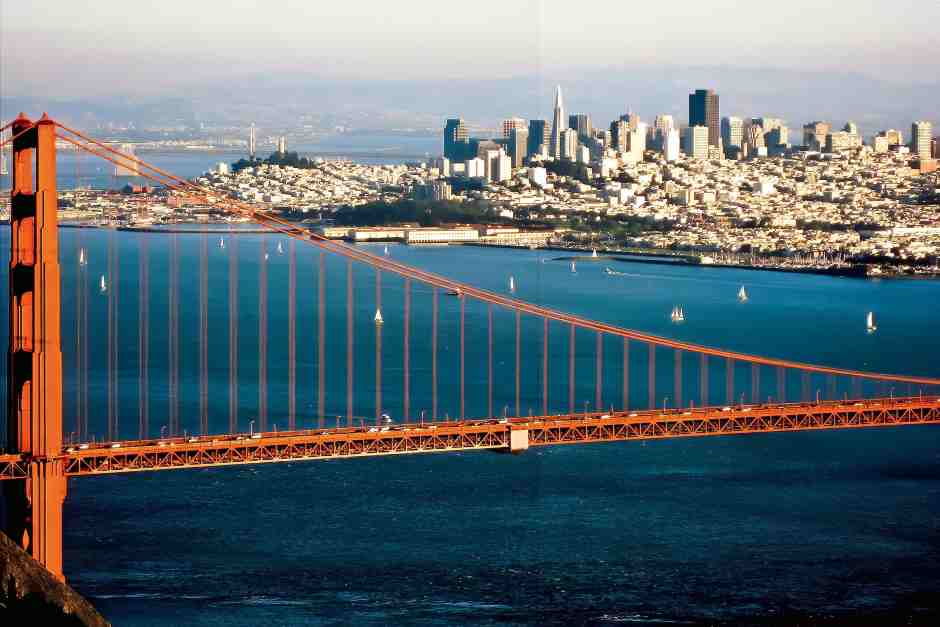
<point x="706" y="531"/>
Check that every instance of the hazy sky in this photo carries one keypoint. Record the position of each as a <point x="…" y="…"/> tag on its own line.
<point x="131" y="48"/>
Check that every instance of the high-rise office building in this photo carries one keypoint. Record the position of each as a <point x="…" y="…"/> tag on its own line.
<point x="697" y="138"/>
<point x="282" y="145"/>
<point x="636" y="143"/>
<point x="769" y="124"/>
<point x="840" y="141"/>
<point x="703" y="111"/>
<point x="779" y="136"/>
<point x="662" y="124"/>
<point x="512" y="123"/>
<point x="496" y="166"/>
<point x="540" y="135"/>
<point x="754" y="138"/>
<point x="632" y="119"/>
<point x="619" y="129"/>
<point x="251" y="142"/>
<point x="732" y="132"/>
<point x="559" y="125"/>
<point x="894" y="137"/>
<point x="657" y="133"/>
<point x="456" y="140"/>
<point x="814" y="135"/>
<point x="569" y="144"/>
<point x="921" y="138"/>
<point x="518" y="146"/>
<point x="671" y="145"/>
<point x="581" y="122"/>
<point x="850" y="127"/>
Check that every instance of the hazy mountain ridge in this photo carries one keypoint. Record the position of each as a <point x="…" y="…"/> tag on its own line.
<point x="289" y="101"/>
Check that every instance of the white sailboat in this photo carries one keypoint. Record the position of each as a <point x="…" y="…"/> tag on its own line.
<point x="512" y="285"/>
<point x="574" y="269"/>
<point x="104" y="285"/>
<point x="221" y="242"/>
<point x="742" y="295"/>
<point x="677" y="315"/>
<point x="82" y="259"/>
<point x="266" y="256"/>
<point x="280" y="249"/>
<point x="870" y="323"/>
<point x="378" y="317"/>
<point x="593" y="253"/>
<point x="386" y="250"/>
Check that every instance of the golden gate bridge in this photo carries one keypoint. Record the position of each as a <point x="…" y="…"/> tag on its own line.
<point x="38" y="460"/>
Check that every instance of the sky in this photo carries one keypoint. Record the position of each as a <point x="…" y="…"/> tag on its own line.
<point x="117" y="48"/>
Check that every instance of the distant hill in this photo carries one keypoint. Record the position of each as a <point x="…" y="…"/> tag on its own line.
<point x="288" y="101"/>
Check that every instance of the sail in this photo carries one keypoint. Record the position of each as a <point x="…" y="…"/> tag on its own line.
<point x="378" y="316"/>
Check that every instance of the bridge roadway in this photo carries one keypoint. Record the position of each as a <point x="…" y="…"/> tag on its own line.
<point x="513" y="434"/>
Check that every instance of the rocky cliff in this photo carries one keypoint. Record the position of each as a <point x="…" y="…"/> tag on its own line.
<point x="29" y="595"/>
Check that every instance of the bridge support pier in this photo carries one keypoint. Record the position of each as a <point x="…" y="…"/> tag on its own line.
<point x="518" y="440"/>
<point x="34" y="374"/>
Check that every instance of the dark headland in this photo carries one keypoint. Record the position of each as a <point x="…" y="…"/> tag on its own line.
<point x="29" y="595"/>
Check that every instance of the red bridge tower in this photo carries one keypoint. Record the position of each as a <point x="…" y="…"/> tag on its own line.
<point x="34" y="373"/>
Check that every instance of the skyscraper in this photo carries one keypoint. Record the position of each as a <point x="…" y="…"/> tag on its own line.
<point x="921" y="136"/>
<point x="703" y="111"/>
<point x="456" y="140"/>
<point x="581" y="122"/>
<point x="510" y="124"/>
<point x="636" y="143"/>
<point x="518" y="146"/>
<point x="814" y="135"/>
<point x="618" y="135"/>
<point x="632" y="119"/>
<point x="671" y="145"/>
<point x="559" y="125"/>
<point x="539" y="134"/>
<point x="894" y="137"/>
<point x="697" y="138"/>
<point x="569" y="144"/>
<point x="251" y="142"/>
<point x="732" y="132"/>
<point x="282" y="145"/>
<point x="662" y="125"/>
